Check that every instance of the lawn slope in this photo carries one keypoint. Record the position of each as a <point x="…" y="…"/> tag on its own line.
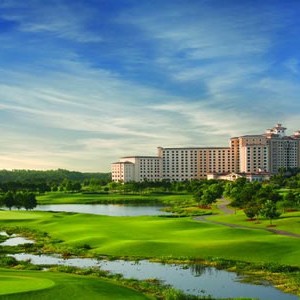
<point x="158" y="237"/>
<point x="287" y="222"/>
<point x="23" y="285"/>
<point x="81" y="198"/>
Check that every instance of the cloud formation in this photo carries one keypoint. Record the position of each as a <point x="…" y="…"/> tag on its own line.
<point x="85" y="83"/>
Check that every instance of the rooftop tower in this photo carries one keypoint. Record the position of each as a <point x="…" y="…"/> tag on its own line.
<point x="278" y="130"/>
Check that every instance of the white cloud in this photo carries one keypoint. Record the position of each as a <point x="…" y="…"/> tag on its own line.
<point x="280" y="88"/>
<point x="100" y="117"/>
<point x="203" y="32"/>
<point x="58" y="18"/>
<point x="293" y="65"/>
<point x="66" y="110"/>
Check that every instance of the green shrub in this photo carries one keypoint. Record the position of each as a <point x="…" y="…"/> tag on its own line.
<point x="7" y="261"/>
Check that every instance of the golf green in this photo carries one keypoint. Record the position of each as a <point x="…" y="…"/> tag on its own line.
<point x="28" y="285"/>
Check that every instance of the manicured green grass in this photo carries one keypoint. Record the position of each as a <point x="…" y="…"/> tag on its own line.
<point x="80" y="198"/>
<point x="158" y="237"/>
<point x="18" y="283"/>
<point x="284" y="191"/>
<point x="288" y="222"/>
<point x="28" y="285"/>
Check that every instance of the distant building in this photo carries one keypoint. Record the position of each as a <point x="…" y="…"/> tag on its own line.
<point x="263" y="176"/>
<point x="123" y="171"/>
<point x="255" y="157"/>
<point x="284" y="150"/>
<point x="253" y="154"/>
<point x="179" y="164"/>
<point x="137" y="168"/>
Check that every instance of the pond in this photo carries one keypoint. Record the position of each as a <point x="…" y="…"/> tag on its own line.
<point x="191" y="279"/>
<point x="6" y="234"/>
<point x="105" y="209"/>
<point x="14" y="240"/>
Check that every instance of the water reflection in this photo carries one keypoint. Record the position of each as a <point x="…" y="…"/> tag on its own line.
<point x="195" y="279"/>
<point x="3" y="233"/>
<point x="15" y="241"/>
<point x="198" y="269"/>
<point x="105" y="209"/>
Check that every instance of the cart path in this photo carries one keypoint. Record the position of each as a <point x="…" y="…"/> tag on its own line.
<point x="223" y="206"/>
<point x="228" y="211"/>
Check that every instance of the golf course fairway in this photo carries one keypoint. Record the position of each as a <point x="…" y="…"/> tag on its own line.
<point x="16" y="284"/>
<point x="156" y="237"/>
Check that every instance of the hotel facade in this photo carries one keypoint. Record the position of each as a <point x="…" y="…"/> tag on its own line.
<point x="253" y="156"/>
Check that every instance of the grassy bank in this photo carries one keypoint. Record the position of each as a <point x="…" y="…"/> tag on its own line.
<point x="27" y="284"/>
<point x="164" y="239"/>
<point x="111" y="198"/>
<point x="57" y="284"/>
<point x="156" y="237"/>
<point x="287" y="222"/>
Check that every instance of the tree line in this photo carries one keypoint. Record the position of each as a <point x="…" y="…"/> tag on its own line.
<point x="289" y="178"/>
<point x="52" y="180"/>
<point x="49" y="175"/>
<point x="254" y="198"/>
<point x="19" y="200"/>
<point x="265" y="199"/>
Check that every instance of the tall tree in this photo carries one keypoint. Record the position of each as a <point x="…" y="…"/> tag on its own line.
<point x="9" y="200"/>
<point x="269" y="210"/>
<point x="29" y="201"/>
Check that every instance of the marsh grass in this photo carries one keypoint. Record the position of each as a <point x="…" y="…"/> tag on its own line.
<point x="151" y="287"/>
<point x="3" y="238"/>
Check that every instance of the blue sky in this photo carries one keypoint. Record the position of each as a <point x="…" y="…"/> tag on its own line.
<point x="84" y="82"/>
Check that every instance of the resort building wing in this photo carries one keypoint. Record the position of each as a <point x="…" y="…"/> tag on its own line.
<point x="252" y="156"/>
<point x="137" y="168"/>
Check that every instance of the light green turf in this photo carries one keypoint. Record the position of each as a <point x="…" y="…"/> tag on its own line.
<point x="159" y="236"/>
<point x="79" y="198"/>
<point x="28" y="285"/>
<point x="287" y="222"/>
<point x="18" y="283"/>
<point x="13" y="215"/>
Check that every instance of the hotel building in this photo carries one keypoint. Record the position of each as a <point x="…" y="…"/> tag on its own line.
<point x="179" y="164"/>
<point x="252" y="156"/>
<point x="137" y="168"/>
